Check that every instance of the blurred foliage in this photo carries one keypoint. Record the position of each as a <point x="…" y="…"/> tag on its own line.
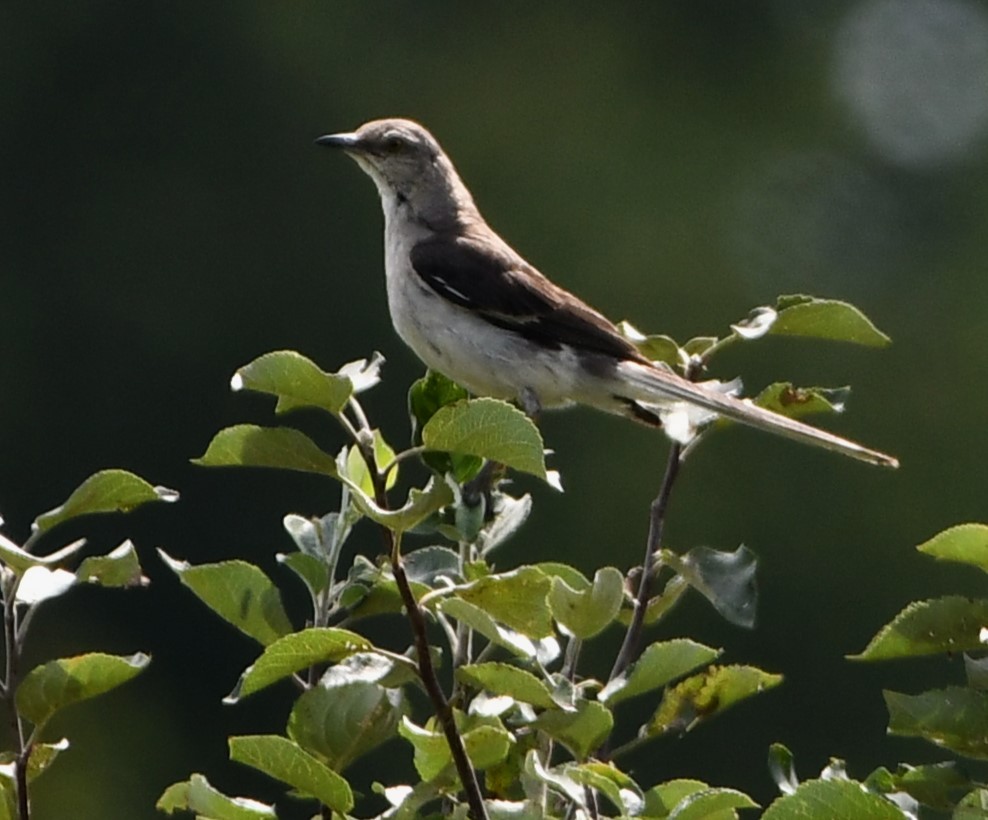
<point x="166" y="219"/>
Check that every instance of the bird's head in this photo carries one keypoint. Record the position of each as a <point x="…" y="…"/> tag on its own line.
<point x="407" y="165"/>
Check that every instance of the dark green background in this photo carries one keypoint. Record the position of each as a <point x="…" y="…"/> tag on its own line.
<point x="167" y="218"/>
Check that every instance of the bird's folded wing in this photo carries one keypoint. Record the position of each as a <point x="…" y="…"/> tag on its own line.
<point x="503" y="289"/>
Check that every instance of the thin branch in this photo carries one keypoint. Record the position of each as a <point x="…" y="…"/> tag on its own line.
<point x="656" y="524"/>
<point x="444" y="713"/>
<point x="420" y="637"/>
<point x="12" y="646"/>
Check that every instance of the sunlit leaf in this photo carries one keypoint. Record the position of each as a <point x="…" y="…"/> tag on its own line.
<point x="831" y="799"/>
<point x="949" y="624"/>
<point x="504" y="679"/>
<point x="614" y="784"/>
<point x="295" y="381"/>
<point x="341" y="723"/>
<point x="284" y="448"/>
<point x="419" y="506"/>
<point x="661" y="799"/>
<point x="658" y="665"/>
<point x="700" y="697"/>
<point x="508" y="515"/>
<point x="359" y="472"/>
<point x="197" y="795"/>
<point x="286" y="761"/>
<point x="518" y="599"/>
<point x="40" y="583"/>
<point x="757" y="324"/>
<point x="965" y="543"/>
<point x="955" y="717"/>
<point x="795" y="402"/>
<point x="478" y="620"/>
<point x="581" y="730"/>
<point x="103" y="492"/>
<point x="657" y="348"/>
<point x="118" y="568"/>
<point x="801" y="315"/>
<point x="425" y="397"/>
<point x="782" y="767"/>
<point x="295" y="651"/>
<point x="488" y="428"/>
<point x="587" y="612"/>
<point x="938" y="785"/>
<point x="52" y="686"/>
<point x="487" y="743"/>
<point x="238" y="592"/>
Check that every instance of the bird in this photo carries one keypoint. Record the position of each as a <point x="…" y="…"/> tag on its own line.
<point x="470" y="307"/>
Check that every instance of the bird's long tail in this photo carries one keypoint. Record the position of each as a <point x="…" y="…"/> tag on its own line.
<point x="653" y="385"/>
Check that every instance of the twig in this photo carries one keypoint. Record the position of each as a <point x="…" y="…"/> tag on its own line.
<point x="13" y="643"/>
<point x="656" y="524"/>
<point x="427" y="672"/>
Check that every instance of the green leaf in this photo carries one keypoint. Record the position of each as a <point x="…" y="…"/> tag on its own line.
<point x="726" y="579"/>
<point x="700" y="697"/>
<point x="313" y="572"/>
<point x="949" y="624"/>
<point x="955" y="718"/>
<point x="657" y="348"/>
<point x="658" y="665"/>
<point x="587" y="612"/>
<point x="486" y="741"/>
<point x="339" y="724"/>
<point x="295" y="651"/>
<point x="965" y="543"/>
<point x="504" y="679"/>
<point x="197" y="795"/>
<point x="832" y="798"/>
<point x="103" y="492"/>
<point x="425" y="397"/>
<point x="518" y="599"/>
<point x="661" y="799"/>
<point x="581" y="731"/>
<point x="938" y="785"/>
<point x="118" y="568"/>
<point x="974" y="806"/>
<point x="610" y="781"/>
<point x="295" y="381"/>
<point x="488" y="428"/>
<point x="478" y="620"/>
<point x="359" y="472"/>
<point x="795" y="402"/>
<point x="39" y="583"/>
<point x="782" y="767"/>
<point x="699" y="345"/>
<point x="283" y="448"/>
<point x="286" y="761"/>
<point x="238" y="592"/>
<point x="380" y="666"/>
<point x="48" y="688"/>
<point x="801" y="315"/>
<point x="419" y="506"/>
<point x="429" y="565"/>
<point x="708" y="804"/>
<point x="662" y="604"/>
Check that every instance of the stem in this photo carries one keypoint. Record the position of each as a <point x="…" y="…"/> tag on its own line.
<point x="427" y="672"/>
<point x="12" y="645"/>
<point x="656" y="524"/>
<point x="420" y="637"/>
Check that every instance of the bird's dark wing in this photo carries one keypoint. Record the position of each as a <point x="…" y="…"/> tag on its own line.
<point x="505" y="290"/>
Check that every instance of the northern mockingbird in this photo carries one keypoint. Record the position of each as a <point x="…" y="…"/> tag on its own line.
<point x="471" y="308"/>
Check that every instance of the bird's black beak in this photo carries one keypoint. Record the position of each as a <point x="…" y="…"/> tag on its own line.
<point x="344" y="141"/>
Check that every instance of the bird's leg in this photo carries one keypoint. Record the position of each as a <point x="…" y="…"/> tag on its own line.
<point x="529" y="401"/>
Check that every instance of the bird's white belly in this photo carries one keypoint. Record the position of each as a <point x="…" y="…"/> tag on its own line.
<point x="487" y="360"/>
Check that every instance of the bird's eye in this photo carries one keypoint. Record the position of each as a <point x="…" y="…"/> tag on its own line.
<point x="393" y="144"/>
